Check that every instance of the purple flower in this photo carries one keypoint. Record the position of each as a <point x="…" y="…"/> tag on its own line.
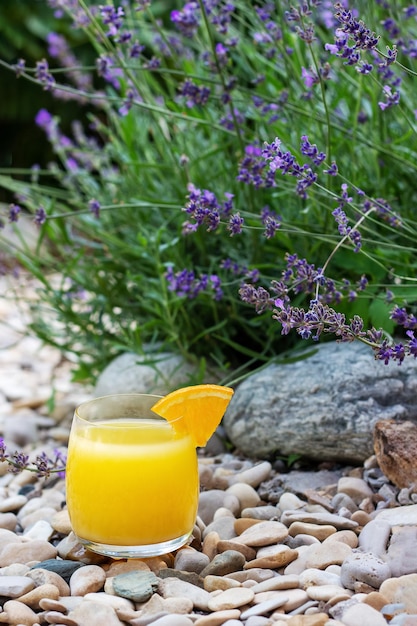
<point x="235" y="225"/>
<point x="271" y="221"/>
<point x="44" y="120"/>
<point x="309" y="77"/>
<point x="113" y="18"/>
<point x="402" y="318"/>
<point x="187" y="19"/>
<point x="256" y="296"/>
<point x="362" y="283"/>
<point x="18" y="462"/>
<point x="44" y="76"/>
<point x="311" y="151"/>
<point x="94" y="206"/>
<point x="412" y="344"/>
<point x="332" y="170"/>
<point x="14" y="212"/>
<point x="3" y="454"/>
<point x="204" y="207"/>
<point x="184" y="283"/>
<point x="194" y="94"/>
<point x="19" y="67"/>
<point x="391" y="98"/>
<point x="341" y="220"/>
<point x="40" y="216"/>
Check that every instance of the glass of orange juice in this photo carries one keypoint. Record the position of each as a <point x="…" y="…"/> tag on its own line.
<point x="132" y="478"/>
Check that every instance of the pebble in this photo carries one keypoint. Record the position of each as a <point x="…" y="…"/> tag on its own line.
<point x="252" y="476"/>
<point x="114" y="601"/>
<point x="89" y="613"/>
<point x="324" y="593"/>
<point x="41" y="529"/>
<point x="13" y="503"/>
<point x="234" y="544"/>
<point x="247" y="495"/>
<point x="45" y="577"/>
<point x="274" y="561"/>
<point x="266" y="512"/>
<point x="401" y="590"/>
<point x="319" y="531"/>
<point x="314" y="577"/>
<point x="355" y="488"/>
<point x="263" y="534"/>
<point x="136" y="586"/>
<point x="399" y="516"/>
<point x="374" y="537"/>
<point x="363" y="614"/>
<point x="265" y="607"/>
<point x="364" y="567"/>
<point x="223" y="526"/>
<point x="157" y="605"/>
<point x="36" y="550"/>
<point x="231" y="599"/>
<point x="216" y="583"/>
<point x="88" y="579"/>
<point x="339" y="522"/>
<point x="190" y="560"/>
<point x="224" y="563"/>
<point x="8" y="521"/>
<point x="62" y="567"/>
<point x="402" y="551"/>
<point x="220" y="617"/>
<point x="35" y="596"/>
<point x="324" y="554"/>
<point x="173" y="587"/>
<point x="212" y="500"/>
<point x="15" y="586"/>
<point x="276" y="583"/>
<point x="168" y="620"/>
<point x="16" y="613"/>
<point x="60" y="522"/>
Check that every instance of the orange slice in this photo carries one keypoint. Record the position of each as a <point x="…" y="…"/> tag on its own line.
<point x="201" y="407"/>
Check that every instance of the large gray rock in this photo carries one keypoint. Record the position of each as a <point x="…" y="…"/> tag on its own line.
<point x="323" y="407"/>
<point x="152" y="373"/>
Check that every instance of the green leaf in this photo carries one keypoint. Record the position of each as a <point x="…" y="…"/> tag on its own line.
<point x="379" y="314"/>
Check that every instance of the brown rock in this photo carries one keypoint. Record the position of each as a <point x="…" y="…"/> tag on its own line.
<point x="376" y="600"/>
<point x="281" y="559"/>
<point x="248" y="552"/>
<point x="242" y="523"/>
<point x="34" y="597"/>
<point x="210" y="544"/>
<point x="16" y="613"/>
<point x="395" y="445"/>
<point x="401" y="590"/>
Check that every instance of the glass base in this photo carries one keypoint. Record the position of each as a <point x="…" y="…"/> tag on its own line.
<point x="136" y="552"/>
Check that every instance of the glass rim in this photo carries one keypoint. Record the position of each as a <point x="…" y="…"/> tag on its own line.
<point x="133" y="396"/>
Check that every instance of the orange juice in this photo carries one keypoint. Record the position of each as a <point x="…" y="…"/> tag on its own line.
<point x="131" y="483"/>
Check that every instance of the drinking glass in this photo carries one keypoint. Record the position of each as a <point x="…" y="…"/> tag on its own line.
<point x="132" y="478"/>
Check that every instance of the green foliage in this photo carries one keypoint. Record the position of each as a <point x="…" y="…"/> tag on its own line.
<point x="111" y="293"/>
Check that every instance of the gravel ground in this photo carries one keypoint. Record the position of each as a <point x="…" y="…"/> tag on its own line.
<point x="313" y="546"/>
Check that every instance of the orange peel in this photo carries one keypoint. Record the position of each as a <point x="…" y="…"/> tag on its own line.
<point x="201" y="408"/>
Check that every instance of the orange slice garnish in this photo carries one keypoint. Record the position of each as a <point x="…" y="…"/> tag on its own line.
<point x="201" y="407"/>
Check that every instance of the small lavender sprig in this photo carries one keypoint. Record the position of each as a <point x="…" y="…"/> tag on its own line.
<point x="43" y="465"/>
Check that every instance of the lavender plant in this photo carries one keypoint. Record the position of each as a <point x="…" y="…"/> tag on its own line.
<point x="243" y="163"/>
<point x="42" y="465"/>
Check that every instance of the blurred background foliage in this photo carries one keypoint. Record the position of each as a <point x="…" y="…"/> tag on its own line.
<point x="24" y="26"/>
